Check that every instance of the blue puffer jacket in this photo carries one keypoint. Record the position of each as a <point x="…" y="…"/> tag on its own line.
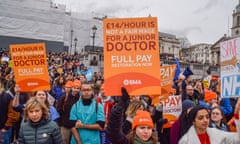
<point x="225" y="106"/>
<point x="43" y="132"/>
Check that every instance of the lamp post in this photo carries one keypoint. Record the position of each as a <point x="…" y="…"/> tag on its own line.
<point x="75" y="44"/>
<point x="94" y="30"/>
<point x="71" y="41"/>
<point x="205" y="55"/>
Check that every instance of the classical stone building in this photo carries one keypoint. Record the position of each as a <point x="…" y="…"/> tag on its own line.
<point x="235" y="32"/>
<point x="198" y="53"/>
<point x="236" y="21"/>
<point x="215" y="50"/>
<point x="169" y="45"/>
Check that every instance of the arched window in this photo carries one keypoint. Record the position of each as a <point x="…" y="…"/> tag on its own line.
<point x="237" y="32"/>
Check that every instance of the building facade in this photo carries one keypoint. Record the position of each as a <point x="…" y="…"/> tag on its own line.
<point x="198" y="53"/>
<point x="169" y="46"/>
<point x="32" y="21"/>
<point x="236" y="21"/>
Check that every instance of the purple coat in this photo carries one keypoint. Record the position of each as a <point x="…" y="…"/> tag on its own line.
<point x="175" y="132"/>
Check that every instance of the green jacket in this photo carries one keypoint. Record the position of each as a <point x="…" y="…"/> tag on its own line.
<point x="43" y="132"/>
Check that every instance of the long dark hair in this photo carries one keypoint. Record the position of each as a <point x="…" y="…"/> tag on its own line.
<point x="185" y="123"/>
<point x="194" y="111"/>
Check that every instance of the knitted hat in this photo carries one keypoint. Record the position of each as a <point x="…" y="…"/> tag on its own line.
<point x="69" y="84"/>
<point x="209" y="95"/>
<point x="142" y="118"/>
<point x="186" y="104"/>
<point x="77" y="83"/>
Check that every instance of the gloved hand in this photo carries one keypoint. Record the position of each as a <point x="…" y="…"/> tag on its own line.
<point x="123" y="101"/>
<point x="160" y="124"/>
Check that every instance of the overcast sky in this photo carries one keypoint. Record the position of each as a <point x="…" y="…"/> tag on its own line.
<point x="201" y="21"/>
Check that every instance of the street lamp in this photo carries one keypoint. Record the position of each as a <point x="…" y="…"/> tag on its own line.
<point x="94" y="30"/>
<point x="71" y="41"/>
<point x="75" y="44"/>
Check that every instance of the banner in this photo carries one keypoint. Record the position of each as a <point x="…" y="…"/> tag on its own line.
<point x="172" y="108"/>
<point x="131" y="56"/>
<point x="30" y="66"/>
<point x="206" y="83"/>
<point x="230" y="68"/>
<point x="172" y="103"/>
<point x="167" y="75"/>
<point x="89" y="74"/>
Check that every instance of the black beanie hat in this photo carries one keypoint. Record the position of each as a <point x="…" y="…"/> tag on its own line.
<point x="186" y="104"/>
<point x="193" y="112"/>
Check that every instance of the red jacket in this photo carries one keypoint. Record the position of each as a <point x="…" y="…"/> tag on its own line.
<point x="107" y="106"/>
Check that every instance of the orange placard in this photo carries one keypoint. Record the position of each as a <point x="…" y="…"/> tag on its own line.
<point x="172" y="108"/>
<point x="30" y="66"/>
<point x="167" y="75"/>
<point x="131" y="56"/>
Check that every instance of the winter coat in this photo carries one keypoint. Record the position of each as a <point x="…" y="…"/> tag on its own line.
<point x="175" y="132"/>
<point x="7" y="115"/>
<point x="64" y="108"/>
<point x="113" y="131"/>
<point x="43" y="132"/>
<point x="216" y="137"/>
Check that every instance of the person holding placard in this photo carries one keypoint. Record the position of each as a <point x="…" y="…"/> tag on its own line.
<point x="142" y="125"/>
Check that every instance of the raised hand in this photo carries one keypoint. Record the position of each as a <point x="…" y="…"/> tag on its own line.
<point x="123" y="100"/>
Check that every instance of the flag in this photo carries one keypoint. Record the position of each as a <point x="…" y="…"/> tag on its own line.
<point x="178" y="69"/>
<point x="187" y="72"/>
<point x="89" y="74"/>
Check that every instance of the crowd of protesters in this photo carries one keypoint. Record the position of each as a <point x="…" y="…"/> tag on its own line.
<point x="76" y="111"/>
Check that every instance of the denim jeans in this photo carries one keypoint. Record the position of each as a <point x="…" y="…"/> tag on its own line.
<point x="5" y="137"/>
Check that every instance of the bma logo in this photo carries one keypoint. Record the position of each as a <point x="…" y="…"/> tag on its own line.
<point x="132" y="82"/>
<point x="144" y="120"/>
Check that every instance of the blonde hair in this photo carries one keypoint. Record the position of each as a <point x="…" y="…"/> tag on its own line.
<point x="133" y="107"/>
<point x="34" y="102"/>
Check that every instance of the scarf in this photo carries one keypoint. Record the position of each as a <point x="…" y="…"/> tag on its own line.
<point x="137" y="140"/>
<point x="86" y="101"/>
